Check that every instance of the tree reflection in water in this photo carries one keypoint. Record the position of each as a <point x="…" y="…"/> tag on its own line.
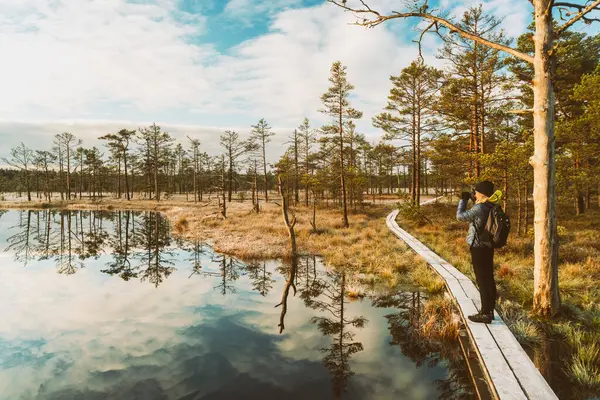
<point x="229" y="272"/>
<point x="328" y="295"/>
<point x="197" y="249"/>
<point x="122" y="243"/>
<point x="405" y="327"/>
<point x="289" y="283"/>
<point x="156" y="261"/>
<point x="325" y="291"/>
<point x="139" y="242"/>
<point x="20" y="242"/>
<point x="262" y="281"/>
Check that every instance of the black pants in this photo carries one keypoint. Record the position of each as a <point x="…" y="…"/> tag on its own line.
<point x="483" y="265"/>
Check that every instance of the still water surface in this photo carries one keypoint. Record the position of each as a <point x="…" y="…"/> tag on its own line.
<point x="107" y="305"/>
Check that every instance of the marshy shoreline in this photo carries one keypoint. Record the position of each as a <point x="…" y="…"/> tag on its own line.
<point x="248" y="235"/>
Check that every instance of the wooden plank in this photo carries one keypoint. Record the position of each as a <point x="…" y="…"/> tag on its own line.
<point x="429" y="256"/>
<point x="478" y="376"/>
<point x="457" y="290"/>
<point x="501" y="375"/>
<point x="529" y="377"/>
<point x="452" y="269"/>
<point x="488" y="351"/>
<point x="442" y="272"/>
<point x="470" y="289"/>
<point x="440" y="260"/>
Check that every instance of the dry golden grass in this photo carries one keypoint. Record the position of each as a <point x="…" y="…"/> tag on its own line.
<point x="366" y="246"/>
<point x="440" y="319"/>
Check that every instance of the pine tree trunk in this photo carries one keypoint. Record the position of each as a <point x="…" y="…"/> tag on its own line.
<point x="342" y="173"/>
<point x="265" y="168"/>
<point x="156" y="158"/>
<point x="504" y="184"/>
<point x="475" y="117"/>
<point x="519" y="209"/>
<point x="546" y="298"/>
<point x="80" y="175"/>
<point x="296" y="172"/>
<point x="118" y="179"/>
<point x="470" y="173"/>
<point x="126" y="177"/>
<point x="588" y="197"/>
<point x="351" y="165"/>
<point x="418" y="169"/>
<point x="132" y="181"/>
<point x="579" y="203"/>
<point x="413" y="188"/>
<point x="68" y="172"/>
<point x="230" y="177"/>
<point x="224" y="205"/>
<point x="526" y="207"/>
<point x="289" y="224"/>
<point x="27" y="185"/>
<point x="60" y="172"/>
<point x="195" y="179"/>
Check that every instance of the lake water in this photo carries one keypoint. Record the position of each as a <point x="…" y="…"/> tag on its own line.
<point x="108" y="305"/>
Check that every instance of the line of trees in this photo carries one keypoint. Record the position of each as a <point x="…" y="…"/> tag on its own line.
<point x="148" y="163"/>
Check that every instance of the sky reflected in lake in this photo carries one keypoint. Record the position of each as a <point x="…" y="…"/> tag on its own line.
<point x="107" y="305"/>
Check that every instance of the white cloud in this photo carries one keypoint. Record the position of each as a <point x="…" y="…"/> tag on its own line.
<point x="114" y="60"/>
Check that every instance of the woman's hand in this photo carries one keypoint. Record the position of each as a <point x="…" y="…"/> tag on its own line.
<point x="465" y="196"/>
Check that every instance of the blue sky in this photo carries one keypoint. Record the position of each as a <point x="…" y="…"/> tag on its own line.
<point x="196" y="67"/>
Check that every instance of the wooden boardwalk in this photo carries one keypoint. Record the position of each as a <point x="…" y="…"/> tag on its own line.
<point x="510" y="372"/>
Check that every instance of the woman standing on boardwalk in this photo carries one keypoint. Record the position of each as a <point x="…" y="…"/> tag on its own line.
<point x="482" y="256"/>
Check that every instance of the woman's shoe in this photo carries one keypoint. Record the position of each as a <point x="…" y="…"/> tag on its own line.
<point x="485" y="318"/>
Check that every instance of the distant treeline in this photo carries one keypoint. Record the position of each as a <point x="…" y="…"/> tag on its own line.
<point x="148" y="164"/>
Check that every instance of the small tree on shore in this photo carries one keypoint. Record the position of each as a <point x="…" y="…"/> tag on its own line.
<point x="234" y="148"/>
<point x="21" y="158"/>
<point x="260" y="136"/>
<point x="195" y="148"/>
<point x="337" y="105"/>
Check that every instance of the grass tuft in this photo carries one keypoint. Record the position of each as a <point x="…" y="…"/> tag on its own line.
<point x="585" y="366"/>
<point x="440" y="319"/>
<point x="181" y="224"/>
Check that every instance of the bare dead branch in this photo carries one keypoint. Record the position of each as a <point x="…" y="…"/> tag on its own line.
<point x="421" y="38"/>
<point x="377" y="18"/>
<point x="567" y="4"/>
<point x="580" y="15"/>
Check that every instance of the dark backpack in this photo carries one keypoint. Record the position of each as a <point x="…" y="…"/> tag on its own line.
<point x="496" y="229"/>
